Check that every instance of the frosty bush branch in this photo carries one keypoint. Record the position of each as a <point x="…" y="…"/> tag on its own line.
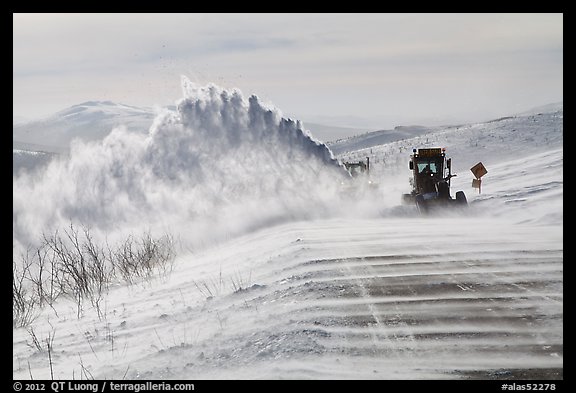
<point x="24" y="300"/>
<point x="74" y="265"/>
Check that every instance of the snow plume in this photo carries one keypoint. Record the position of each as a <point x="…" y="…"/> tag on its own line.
<point x="218" y="165"/>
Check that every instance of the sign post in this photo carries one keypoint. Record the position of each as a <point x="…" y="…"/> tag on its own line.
<point x="478" y="171"/>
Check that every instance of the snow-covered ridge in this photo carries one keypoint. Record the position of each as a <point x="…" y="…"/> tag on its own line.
<point x="519" y="121"/>
<point x="548" y="108"/>
<point x="498" y="140"/>
<point x="380" y="137"/>
<point x="100" y="110"/>
<point x="88" y="121"/>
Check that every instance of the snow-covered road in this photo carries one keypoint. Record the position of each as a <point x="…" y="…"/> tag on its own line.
<point x="381" y="298"/>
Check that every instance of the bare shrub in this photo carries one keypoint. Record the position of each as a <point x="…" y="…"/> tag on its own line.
<point x="143" y="258"/>
<point x="85" y="274"/>
<point x="74" y="265"/>
<point x="24" y="299"/>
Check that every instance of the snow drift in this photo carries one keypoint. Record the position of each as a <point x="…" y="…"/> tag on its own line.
<point x="218" y="164"/>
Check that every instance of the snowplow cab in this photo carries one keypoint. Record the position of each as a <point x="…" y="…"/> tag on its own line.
<point x="431" y="174"/>
<point x="360" y="179"/>
<point x="429" y="167"/>
<point x="358" y="168"/>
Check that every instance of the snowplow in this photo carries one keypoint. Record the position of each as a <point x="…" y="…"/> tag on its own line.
<point x="356" y="169"/>
<point x="431" y="174"/>
<point x="360" y="179"/>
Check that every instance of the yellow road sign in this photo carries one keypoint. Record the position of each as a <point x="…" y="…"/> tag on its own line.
<point x="479" y="170"/>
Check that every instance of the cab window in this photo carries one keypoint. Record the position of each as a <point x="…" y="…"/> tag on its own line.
<point x="422" y="165"/>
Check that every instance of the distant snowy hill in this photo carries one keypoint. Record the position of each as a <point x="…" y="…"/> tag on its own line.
<point x="88" y="121"/>
<point x="380" y="137"/>
<point x="548" y="108"/>
<point x="505" y="134"/>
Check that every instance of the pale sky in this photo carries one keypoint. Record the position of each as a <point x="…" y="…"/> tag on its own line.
<point x="361" y="70"/>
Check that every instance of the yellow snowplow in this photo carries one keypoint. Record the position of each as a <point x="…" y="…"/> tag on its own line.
<point x="431" y="174"/>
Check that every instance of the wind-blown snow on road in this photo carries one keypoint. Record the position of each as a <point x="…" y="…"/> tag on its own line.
<point x="312" y="285"/>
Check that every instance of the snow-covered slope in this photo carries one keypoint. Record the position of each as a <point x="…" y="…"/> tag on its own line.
<point x="500" y="139"/>
<point x="376" y="138"/>
<point x="553" y="107"/>
<point x="87" y="121"/>
<point x="290" y="277"/>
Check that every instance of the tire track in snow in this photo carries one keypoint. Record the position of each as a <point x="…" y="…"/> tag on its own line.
<point x="381" y="327"/>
